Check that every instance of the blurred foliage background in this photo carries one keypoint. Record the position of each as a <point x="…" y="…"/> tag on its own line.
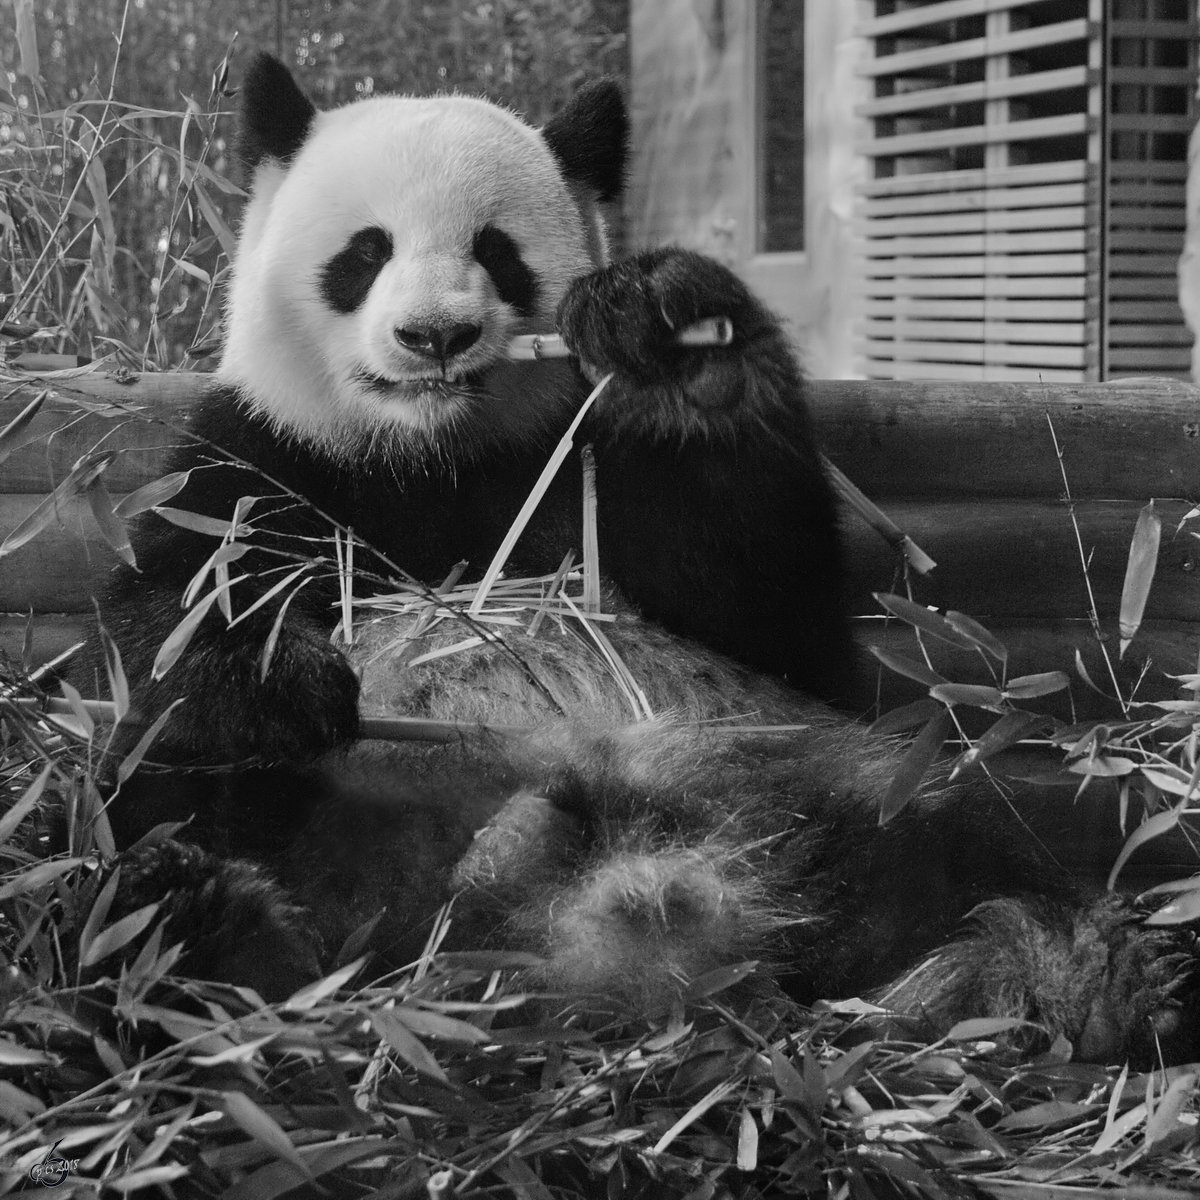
<point x="117" y="192"/>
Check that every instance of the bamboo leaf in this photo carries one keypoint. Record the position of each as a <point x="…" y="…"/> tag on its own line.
<point x="24" y="12"/>
<point x="221" y="556"/>
<point x="907" y="716"/>
<point x="35" y="877"/>
<point x="908" y="667"/>
<point x="262" y="1127"/>
<point x="406" y="1045"/>
<point x="313" y="993"/>
<point x="1114" y="1102"/>
<point x="152" y="494"/>
<point x="693" y="1114"/>
<point x="78" y="709"/>
<point x="268" y="650"/>
<point x="215" y="222"/>
<point x="179" y="637"/>
<point x="1026" y="687"/>
<point x="1139" y="572"/>
<point x="213" y="526"/>
<point x="747" y="1144"/>
<point x="431" y="1024"/>
<point x="1164" y="1121"/>
<point x="13" y="1054"/>
<point x="1005" y="732"/>
<point x="924" y="619"/>
<point x="99" y="913"/>
<point x="159" y="834"/>
<point x="355" y="945"/>
<point x="148" y="1177"/>
<point x="10" y="435"/>
<point x="1174" y="885"/>
<point x="514" y="1170"/>
<point x="976" y="695"/>
<point x="119" y="934"/>
<point x="1049" y="1112"/>
<point x="1177" y="784"/>
<point x="274" y="590"/>
<point x="221" y="582"/>
<point x="1172" y="706"/>
<point x="111" y="527"/>
<point x="1147" y="831"/>
<point x="976" y="633"/>
<point x="1082" y="672"/>
<point x="85" y="470"/>
<point x="718" y="980"/>
<point x="845" y="1071"/>
<point x="33" y="793"/>
<point x="1103" y="766"/>
<point x="118" y="683"/>
<point x="133" y="759"/>
<point x="1179" y="911"/>
<point x="914" y="766"/>
<point x="979" y="1028"/>
<point x="276" y="1179"/>
<point x="1118" y="1129"/>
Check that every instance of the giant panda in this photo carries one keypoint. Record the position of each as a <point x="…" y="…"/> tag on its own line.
<point x="389" y="251"/>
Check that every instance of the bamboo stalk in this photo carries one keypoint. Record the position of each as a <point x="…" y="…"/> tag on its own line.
<point x="879" y="520"/>
<point x="533" y="347"/>
<point x="388" y="729"/>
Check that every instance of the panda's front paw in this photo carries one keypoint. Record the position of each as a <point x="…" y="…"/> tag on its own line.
<point x="235" y="923"/>
<point x="307" y="703"/>
<point x="627" y="318"/>
<point x="312" y="706"/>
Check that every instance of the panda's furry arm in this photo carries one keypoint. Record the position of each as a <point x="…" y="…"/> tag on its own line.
<point x="307" y="701"/>
<point x="717" y="518"/>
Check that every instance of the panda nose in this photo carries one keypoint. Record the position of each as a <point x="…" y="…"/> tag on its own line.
<point x="441" y="343"/>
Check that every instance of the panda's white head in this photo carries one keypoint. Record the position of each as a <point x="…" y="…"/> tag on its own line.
<point x="391" y="249"/>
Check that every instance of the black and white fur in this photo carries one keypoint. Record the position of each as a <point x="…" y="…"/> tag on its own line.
<point x="390" y="249"/>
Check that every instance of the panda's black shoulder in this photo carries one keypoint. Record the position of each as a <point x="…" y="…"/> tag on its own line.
<point x="260" y="458"/>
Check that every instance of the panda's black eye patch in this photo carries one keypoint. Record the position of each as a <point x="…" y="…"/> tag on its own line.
<point x="347" y="277"/>
<point x="501" y="258"/>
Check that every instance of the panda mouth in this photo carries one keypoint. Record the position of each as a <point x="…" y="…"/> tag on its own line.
<point x="423" y="387"/>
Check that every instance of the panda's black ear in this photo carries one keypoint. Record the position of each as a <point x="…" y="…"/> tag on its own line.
<point x="274" y="114"/>
<point x="590" y="138"/>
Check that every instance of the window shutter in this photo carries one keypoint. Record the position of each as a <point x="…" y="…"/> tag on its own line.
<point x="1013" y="227"/>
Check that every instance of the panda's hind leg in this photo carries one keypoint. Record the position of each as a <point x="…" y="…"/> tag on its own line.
<point x="1114" y="987"/>
<point x="625" y="870"/>
<point x="643" y="923"/>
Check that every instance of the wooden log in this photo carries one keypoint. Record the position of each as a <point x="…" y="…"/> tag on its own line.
<point x="1130" y="440"/>
<point x="1020" y="558"/>
<point x="1127" y="440"/>
<point x="885" y="368"/>
<point x="143" y="416"/>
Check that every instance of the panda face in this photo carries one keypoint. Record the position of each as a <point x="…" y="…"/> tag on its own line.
<point x="389" y="252"/>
